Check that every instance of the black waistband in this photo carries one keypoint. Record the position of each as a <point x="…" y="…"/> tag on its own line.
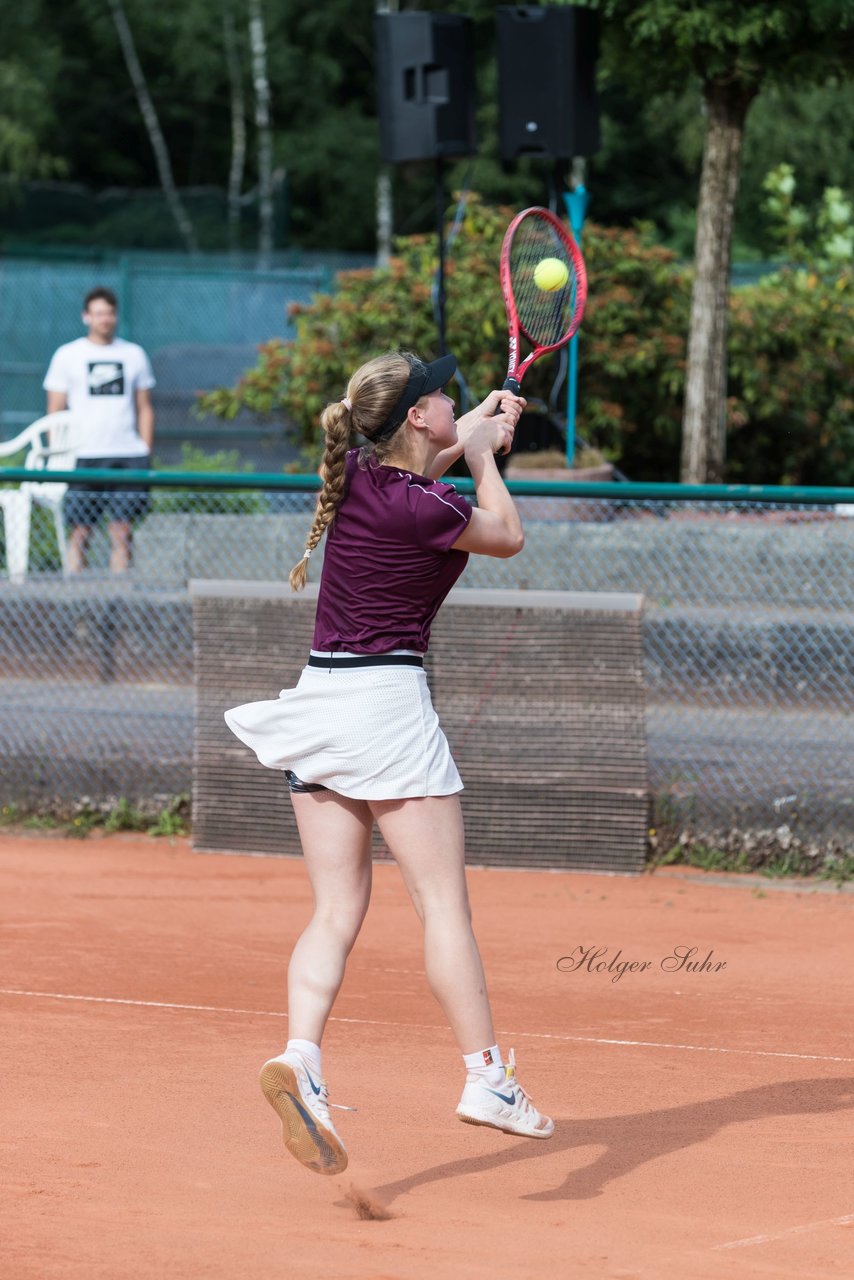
<point x="333" y="660"/>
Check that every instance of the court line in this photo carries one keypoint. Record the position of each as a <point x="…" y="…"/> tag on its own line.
<point x="790" y="1231"/>
<point x="424" y="1026"/>
<point x="141" y="1004"/>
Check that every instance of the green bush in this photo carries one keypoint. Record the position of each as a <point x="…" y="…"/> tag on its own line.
<point x="790" y="408"/>
<point x="791" y="350"/>
<point x="210" y="501"/>
<point x="632" y="352"/>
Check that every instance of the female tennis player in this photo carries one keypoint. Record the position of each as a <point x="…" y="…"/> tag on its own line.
<point x="358" y="737"/>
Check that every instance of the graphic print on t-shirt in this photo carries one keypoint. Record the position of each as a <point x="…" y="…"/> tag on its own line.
<point x="106" y="378"/>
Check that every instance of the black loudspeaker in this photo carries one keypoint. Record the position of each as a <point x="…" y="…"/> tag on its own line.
<point x="547" y="82"/>
<point x="425" y="85"/>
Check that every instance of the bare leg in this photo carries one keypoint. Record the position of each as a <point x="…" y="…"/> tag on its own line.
<point x="427" y="840"/>
<point x="336" y="838"/>
<point x="78" y="544"/>
<point x="120" y="535"/>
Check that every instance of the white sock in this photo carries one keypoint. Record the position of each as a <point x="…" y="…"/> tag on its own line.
<point x="486" y="1063"/>
<point x="310" y="1051"/>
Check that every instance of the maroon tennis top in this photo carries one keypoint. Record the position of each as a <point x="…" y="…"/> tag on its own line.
<point x="388" y="563"/>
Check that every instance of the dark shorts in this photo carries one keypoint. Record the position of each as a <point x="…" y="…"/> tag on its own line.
<point x="85" y="504"/>
<point x="296" y="784"/>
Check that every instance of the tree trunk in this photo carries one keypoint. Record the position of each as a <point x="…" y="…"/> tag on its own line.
<point x="703" y="422"/>
<point x="258" y="45"/>
<point x="384" y="196"/>
<point x="152" y="124"/>
<point x="385" y="217"/>
<point x="238" y="127"/>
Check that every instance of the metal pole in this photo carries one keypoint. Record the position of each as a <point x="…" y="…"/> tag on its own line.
<point x="384" y="196"/>
<point x="440" y="231"/>
<point x="576" y="202"/>
<point x="125" y="302"/>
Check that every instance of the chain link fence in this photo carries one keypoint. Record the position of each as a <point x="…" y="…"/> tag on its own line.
<point x="749" y="664"/>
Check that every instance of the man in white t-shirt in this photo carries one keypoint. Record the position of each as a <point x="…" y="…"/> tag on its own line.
<point x="106" y="383"/>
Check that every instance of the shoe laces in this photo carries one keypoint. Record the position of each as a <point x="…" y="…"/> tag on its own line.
<point x="510" y="1073"/>
<point x="323" y="1098"/>
<point x="336" y="1106"/>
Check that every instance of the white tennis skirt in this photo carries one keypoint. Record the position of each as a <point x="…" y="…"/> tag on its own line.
<point x="370" y="733"/>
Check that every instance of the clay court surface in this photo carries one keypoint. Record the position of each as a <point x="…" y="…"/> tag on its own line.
<point x="705" y="1120"/>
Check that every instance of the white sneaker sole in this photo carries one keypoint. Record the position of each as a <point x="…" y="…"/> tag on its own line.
<point x="308" y="1141"/>
<point x="505" y="1126"/>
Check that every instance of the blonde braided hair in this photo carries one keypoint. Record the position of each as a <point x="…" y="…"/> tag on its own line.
<point x="372" y="393"/>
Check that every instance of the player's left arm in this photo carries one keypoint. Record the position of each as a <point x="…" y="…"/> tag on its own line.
<point x="145" y="416"/>
<point x="507" y="403"/>
<point x="443" y="461"/>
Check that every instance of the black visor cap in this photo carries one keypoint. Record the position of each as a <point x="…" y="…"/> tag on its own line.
<point x="423" y="378"/>
<point x="439" y="374"/>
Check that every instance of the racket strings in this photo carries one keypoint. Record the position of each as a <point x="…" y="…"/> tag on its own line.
<point x="545" y="315"/>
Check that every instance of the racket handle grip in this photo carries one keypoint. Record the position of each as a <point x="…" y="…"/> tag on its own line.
<point x="511" y="385"/>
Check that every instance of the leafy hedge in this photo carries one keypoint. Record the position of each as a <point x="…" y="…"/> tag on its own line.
<point x="791" y="395"/>
<point x="790" y="401"/>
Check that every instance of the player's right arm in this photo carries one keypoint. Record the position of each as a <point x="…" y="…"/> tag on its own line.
<point x="495" y="528"/>
<point x="57" y="401"/>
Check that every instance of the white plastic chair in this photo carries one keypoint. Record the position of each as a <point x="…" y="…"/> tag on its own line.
<point x="49" y="449"/>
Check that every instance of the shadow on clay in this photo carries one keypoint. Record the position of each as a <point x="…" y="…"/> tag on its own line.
<point x="629" y="1141"/>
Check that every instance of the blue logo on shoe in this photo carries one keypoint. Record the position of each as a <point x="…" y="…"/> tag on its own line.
<point x="315" y="1087"/>
<point x="511" y="1100"/>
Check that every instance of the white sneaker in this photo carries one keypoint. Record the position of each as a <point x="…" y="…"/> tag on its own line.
<point x="506" y="1107"/>
<point x="302" y="1103"/>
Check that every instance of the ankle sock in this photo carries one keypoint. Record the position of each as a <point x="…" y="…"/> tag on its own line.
<point x="310" y="1051"/>
<point x="486" y="1063"/>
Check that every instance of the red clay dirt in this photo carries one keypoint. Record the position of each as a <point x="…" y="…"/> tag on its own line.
<point x="704" y="1118"/>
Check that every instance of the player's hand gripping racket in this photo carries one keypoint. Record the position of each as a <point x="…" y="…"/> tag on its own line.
<point x="544" y="283"/>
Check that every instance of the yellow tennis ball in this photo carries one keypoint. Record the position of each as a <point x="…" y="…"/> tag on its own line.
<point x="550" y="274"/>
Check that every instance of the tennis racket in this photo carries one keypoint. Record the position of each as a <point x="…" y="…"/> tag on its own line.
<point x="544" y="283"/>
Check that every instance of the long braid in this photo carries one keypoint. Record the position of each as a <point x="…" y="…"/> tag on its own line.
<point x="335" y="421"/>
<point x="372" y="392"/>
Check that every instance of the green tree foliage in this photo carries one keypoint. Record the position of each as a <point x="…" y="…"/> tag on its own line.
<point x="22" y="151"/>
<point x="652" y="146"/>
<point x="733" y="48"/>
<point x="632" y="352"/>
<point x="728" y="40"/>
<point x="29" y="64"/>
<point x="790" y="408"/>
<point x="828" y="244"/>
<point x="801" y="126"/>
<point x="324" y="116"/>
<point x="181" y="51"/>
